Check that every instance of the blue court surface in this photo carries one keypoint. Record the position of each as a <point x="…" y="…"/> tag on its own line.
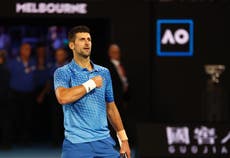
<point x="38" y="151"/>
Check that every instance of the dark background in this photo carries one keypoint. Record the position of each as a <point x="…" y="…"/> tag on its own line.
<point x="180" y="82"/>
<point x="163" y="89"/>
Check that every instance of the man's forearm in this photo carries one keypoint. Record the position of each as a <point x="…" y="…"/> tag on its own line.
<point x="114" y="117"/>
<point x="116" y="122"/>
<point x="69" y="95"/>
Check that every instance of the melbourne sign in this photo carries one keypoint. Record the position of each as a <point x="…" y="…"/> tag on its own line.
<point x="50" y="8"/>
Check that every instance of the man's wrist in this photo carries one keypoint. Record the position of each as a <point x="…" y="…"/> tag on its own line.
<point x="122" y="136"/>
<point x="89" y="85"/>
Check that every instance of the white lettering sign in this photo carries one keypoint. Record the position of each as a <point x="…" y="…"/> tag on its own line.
<point x="51" y="8"/>
<point x="181" y="36"/>
<point x="205" y="135"/>
<point x="178" y="135"/>
<point x="179" y="141"/>
<point x="225" y="139"/>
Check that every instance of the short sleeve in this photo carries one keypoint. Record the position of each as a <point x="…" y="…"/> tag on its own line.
<point x="61" y="79"/>
<point x="109" y="88"/>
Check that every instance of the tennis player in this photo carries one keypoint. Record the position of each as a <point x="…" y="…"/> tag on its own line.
<point x="85" y="91"/>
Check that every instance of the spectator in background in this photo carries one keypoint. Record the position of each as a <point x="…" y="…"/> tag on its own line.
<point x="54" y="108"/>
<point x="22" y="92"/>
<point x="120" y="80"/>
<point x="120" y="88"/>
<point x="57" y="130"/>
<point x="41" y="77"/>
<point x="4" y="107"/>
<point x="41" y="73"/>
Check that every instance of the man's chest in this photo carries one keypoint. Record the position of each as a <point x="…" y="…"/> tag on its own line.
<point x="78" y="78"/>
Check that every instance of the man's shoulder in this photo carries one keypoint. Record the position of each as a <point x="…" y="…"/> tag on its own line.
<point x="13" y="60"/>
<point x="101" y="68"/>
<point x="12" y="63"/>
<point x="63" y="69"/>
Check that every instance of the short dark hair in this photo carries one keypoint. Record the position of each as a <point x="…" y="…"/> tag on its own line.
<point x="40" y="44"/>
<point x="77" y="29"/>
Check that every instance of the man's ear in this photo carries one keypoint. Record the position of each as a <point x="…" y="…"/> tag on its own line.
<point x="71" y="45"/>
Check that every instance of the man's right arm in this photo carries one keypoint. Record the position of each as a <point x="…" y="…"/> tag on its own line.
<point x="69" y="95"/>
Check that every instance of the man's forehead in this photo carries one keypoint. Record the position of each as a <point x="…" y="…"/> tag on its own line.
<point x="82" y="34"/>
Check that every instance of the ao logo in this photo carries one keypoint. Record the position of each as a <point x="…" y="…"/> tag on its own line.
<point x="181" y="36"/>
<point x="174" y="37"/>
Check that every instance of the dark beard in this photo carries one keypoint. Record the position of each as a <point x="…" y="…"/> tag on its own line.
<point x="84" y="55"/>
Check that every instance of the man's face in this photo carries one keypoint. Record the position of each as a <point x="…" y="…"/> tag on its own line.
<point x="25" y="50"/>
<point x="114" y="52"/>
<point x="82" y="44"/>
<point x="60" y="56"/>
<point x="1" y="60"/>
<point x="41" y="52"/>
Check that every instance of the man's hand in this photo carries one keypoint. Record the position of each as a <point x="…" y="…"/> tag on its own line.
<point x="98" y="81"/>
<point x="125" y="148"/>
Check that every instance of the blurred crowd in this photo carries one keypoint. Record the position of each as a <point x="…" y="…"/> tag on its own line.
<point x="29" y="110"/>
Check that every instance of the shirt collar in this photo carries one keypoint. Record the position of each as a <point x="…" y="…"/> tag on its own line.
<point x="75" y="65"/>
<point x="115" y="62"/>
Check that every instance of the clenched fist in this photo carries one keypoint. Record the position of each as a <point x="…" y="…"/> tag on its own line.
<point x="98" y="80"/>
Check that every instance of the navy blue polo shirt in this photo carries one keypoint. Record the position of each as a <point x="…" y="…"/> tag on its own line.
<point x="42" y="76"/>
<point x="22" y="75"/>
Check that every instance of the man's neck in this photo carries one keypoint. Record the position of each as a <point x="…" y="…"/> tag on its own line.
<point x="24" y="59"/>
<point x="83" y="62"/>
<point x="60" y="63"/>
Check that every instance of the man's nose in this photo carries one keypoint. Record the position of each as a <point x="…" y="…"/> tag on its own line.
<point x="87" y="44"/>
